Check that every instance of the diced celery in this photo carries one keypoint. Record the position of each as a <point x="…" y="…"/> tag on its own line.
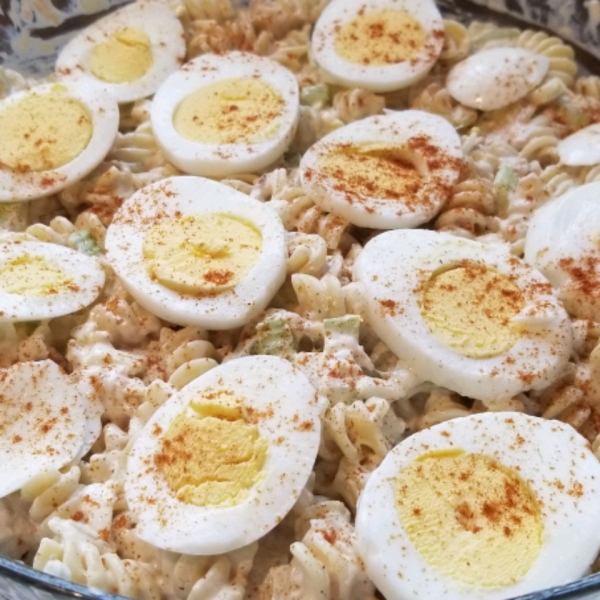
<point x="315" y="94"/>
<point x="274" y="336"/>
<point x="83" y="242"/>
<point x="346" y="325"/>
<point x="506" y="177"/>
<point x="505" y="182"/>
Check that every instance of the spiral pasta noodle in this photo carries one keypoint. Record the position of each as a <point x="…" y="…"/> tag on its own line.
<point x="324" y="563"/>
<point x="356" y="104"/>
<point x="217" y="10"/>
<point x="209" y="35"/>
<point x="588" y="86"/>
<point x="434" y="97"/>
<point x="469" y="210"/>
<point x="456" y="43"/>
<point x="560" y="55"/>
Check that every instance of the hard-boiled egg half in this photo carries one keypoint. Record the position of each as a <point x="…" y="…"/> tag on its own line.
<point x="497" y="77"/>
<point x="43" y="281"/>
<point x="381" y="45"/>
<point x="563" y="242"/>
<point x="197" y="252"/>
<point x="484" y="507"/>
<point x="386" y="172"/>
<point x="464" y="315"/>
<point x="225" y="459"/>
<point x="582" y="148"/>
<point x="224" y="114"/>
<point x="53" y="135"/>
<point x="129" y="52"/>
<point x="45" y="422"/>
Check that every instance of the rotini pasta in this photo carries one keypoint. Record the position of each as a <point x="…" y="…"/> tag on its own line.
<point x="456" y="41"/>
<point x="324" y="563"/>
<point x="469" y="210"/>
<point x="561" y="55"/>
<point x="352" y="105"/>
<point x="434" y="97"/>
<point x="217" y="10"/>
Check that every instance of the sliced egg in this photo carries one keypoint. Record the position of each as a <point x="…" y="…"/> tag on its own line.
<point x="225" y="459"/>
<point x="464" y="315"/>
<point x="225" y="114"/>
<point x="484" y="507"/>
<point x="495" y="78"/>
<point x="381" y="45"/>
<point x="130" y="52"/>
<point x="197" y="252"/>
<point x="45" y="422"/>
<point x="563" y="242"/>
<point x="43" y="281"/>
<point x="385" y="172"/>
<point x="581" y="148"/>
<point x="53" y="135"/>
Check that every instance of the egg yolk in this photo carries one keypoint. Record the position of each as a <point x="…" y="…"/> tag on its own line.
<point x="214" y="457"/>
<point x="43" y="131"/>
<point x="469" y="309"/>
<point x="232" y="111"/>
<point x="123" y="58"/>
<point x="201" y="254"/>
<point x="381" y="37"/>
<point x="473" y="519"/>
<point x="372" y="170"/>
<point x="34" y="276"/>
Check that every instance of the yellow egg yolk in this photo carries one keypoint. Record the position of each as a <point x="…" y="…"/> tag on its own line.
<point x="372" y="170"/>
<point x="232" y="111"/>
<point x="380" y="37"/>
<point x="43" y="131"/>
<point x="473" y="519"/>
<point x="213" y="457"/>
<point x="33" y="276"/>
<point x="469" y="309"/>
<point x="201" y="254"/>
<point x="123" y="58"/>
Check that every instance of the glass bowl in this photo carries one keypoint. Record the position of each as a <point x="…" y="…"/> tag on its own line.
<point x="577" y="21"/>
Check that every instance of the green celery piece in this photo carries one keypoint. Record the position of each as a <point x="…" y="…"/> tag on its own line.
<point x="505" y="182"/>
<point x="346" y="325"/>
<point x="84" y="242"/>
<point x="315" y="94"/>
<point x="274" y="336"/>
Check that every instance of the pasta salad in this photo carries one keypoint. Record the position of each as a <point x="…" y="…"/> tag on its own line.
<point x="301" y="301"/>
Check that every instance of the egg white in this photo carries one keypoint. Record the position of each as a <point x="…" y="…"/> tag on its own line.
<point x="378" y="78"/>
<point x="53" y="419"/>
<point x="562" y="242"/>
<point x="494" y="78"/>
<point x="552" y="451"/>
<point x="183" y="195"/>
<point x="18" y="186"/>
<point x="582" y="148"/>
<point x="219" y="160"/>
<point x="274" y="388"/>
<point x="391" y="269"/>
<point x="86" y="272"/>
<point x="156" y="20"/>
<point x="407" y="129"/>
